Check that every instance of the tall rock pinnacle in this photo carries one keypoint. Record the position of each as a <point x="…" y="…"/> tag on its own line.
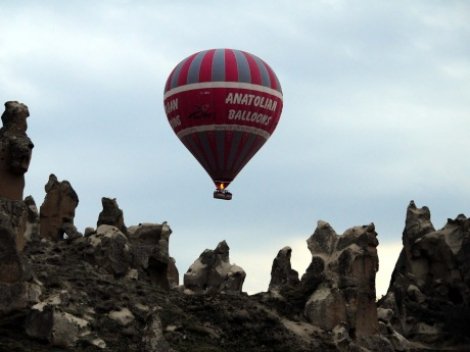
<point x="15" y="150"/>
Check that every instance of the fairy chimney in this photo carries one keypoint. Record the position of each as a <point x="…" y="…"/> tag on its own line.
<point x="15" y="150"/>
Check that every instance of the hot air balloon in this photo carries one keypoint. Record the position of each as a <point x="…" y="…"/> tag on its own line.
<point x="223" y="104"/>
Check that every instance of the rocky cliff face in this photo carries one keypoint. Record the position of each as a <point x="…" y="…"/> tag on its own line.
<point x="18" y="218"/>
<point x="116" y="287"/>
<point x="346" y="292"/>
<point x="337" y="291"/>
<point x="429" y="294"/>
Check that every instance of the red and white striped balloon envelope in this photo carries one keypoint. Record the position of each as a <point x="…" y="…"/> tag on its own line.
<point x="223" y="104"/>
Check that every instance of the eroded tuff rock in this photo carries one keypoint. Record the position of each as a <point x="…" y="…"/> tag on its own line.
<point x="212" y="272"/>
<point x="429" y="295"/>
<point x="21" y="218"/>
<point x="97" y="289"/>
<point x="111" y="215"/>
<point x="83" y="302"/>
<point x="18" y="288"/>
<point x="143" y="253"/>
<point x="152" y="337"/>
<point x="283" y="277"/>
<point x="337" y="291"/>
<point x="108" y="249"/>
<point x="15" y="150"/>
<point x="173" y="273"/>
<point x="84" y="308"/>
<point x="32" y="221"/>
<point x="57" y="212"/>
<point x="343" y="270"/>
<point x="11" y="269"/>
<point x="150" y="251"/>
<point x="48" y="322"/>
<point x="18" y="218"/>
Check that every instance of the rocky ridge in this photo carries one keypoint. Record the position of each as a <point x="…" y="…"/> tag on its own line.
<point x="116" y="287"/>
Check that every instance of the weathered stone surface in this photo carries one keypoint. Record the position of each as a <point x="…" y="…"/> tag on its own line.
<point x="282" y="275"/>
<point x="429" y="292"/>
<point x="123" y="316"/>
<point x="111" y="215"/>
<point x="18" y="296"/>
<point x="15" y="150"/>
<point x="212" y="272"/>
<point x="313" y="276"/>
<point x="17" y="289"/>
<point x="399" y="342"/>
<point x="57" y="327"/>
<point x="150" y="251"/>
<point x="173" y="273"/>
<point x="15" y="215"/>
<point x="11" y="269"/>
<point x="152" y="338"/>
<point x="32" y="223"/>
<point x="143" y="253"/>
<point x="109" y="249"/>
<point x="342" y="279"/>
<point x="57" y="212"/>
<point x="323" y="240"/>
<point x="326" y="308"/>
<point x="357" y="266"/>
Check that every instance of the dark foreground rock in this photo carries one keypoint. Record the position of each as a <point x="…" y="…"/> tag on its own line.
<point x="85" y="307"/>
<point x="107" y="292"/>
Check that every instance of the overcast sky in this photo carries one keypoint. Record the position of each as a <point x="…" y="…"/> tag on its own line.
<point x="376" y="113"/>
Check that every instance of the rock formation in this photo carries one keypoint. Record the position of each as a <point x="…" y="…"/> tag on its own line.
<point x="18" y="224"/>
<point x="337" y="291"/>
<point x="17" y="217"/>
<point x="212" y="272"/>
<point x="173" y="273"/>
<point x="32" y="221"/>
<point x="57" y="212"/>
<point x="429" y="295"/>
<point x="153" y="338"/>
<point x="15" y="150"/>
<point x="18" y="220"/>
<point x="342" y="276"/>
<point x="283" y="277"/>
<point x="142" y="254"/>
<point x="109" y="291"/>
<point x="111" y="215"/>
<point x="49" y="323"/>
<point x="108" y="249"/>
<point x="150" y="251"/>
<point x="66" y="317"/>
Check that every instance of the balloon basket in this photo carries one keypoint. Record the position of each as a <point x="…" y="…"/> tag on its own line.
<point x="222" y="194"/>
